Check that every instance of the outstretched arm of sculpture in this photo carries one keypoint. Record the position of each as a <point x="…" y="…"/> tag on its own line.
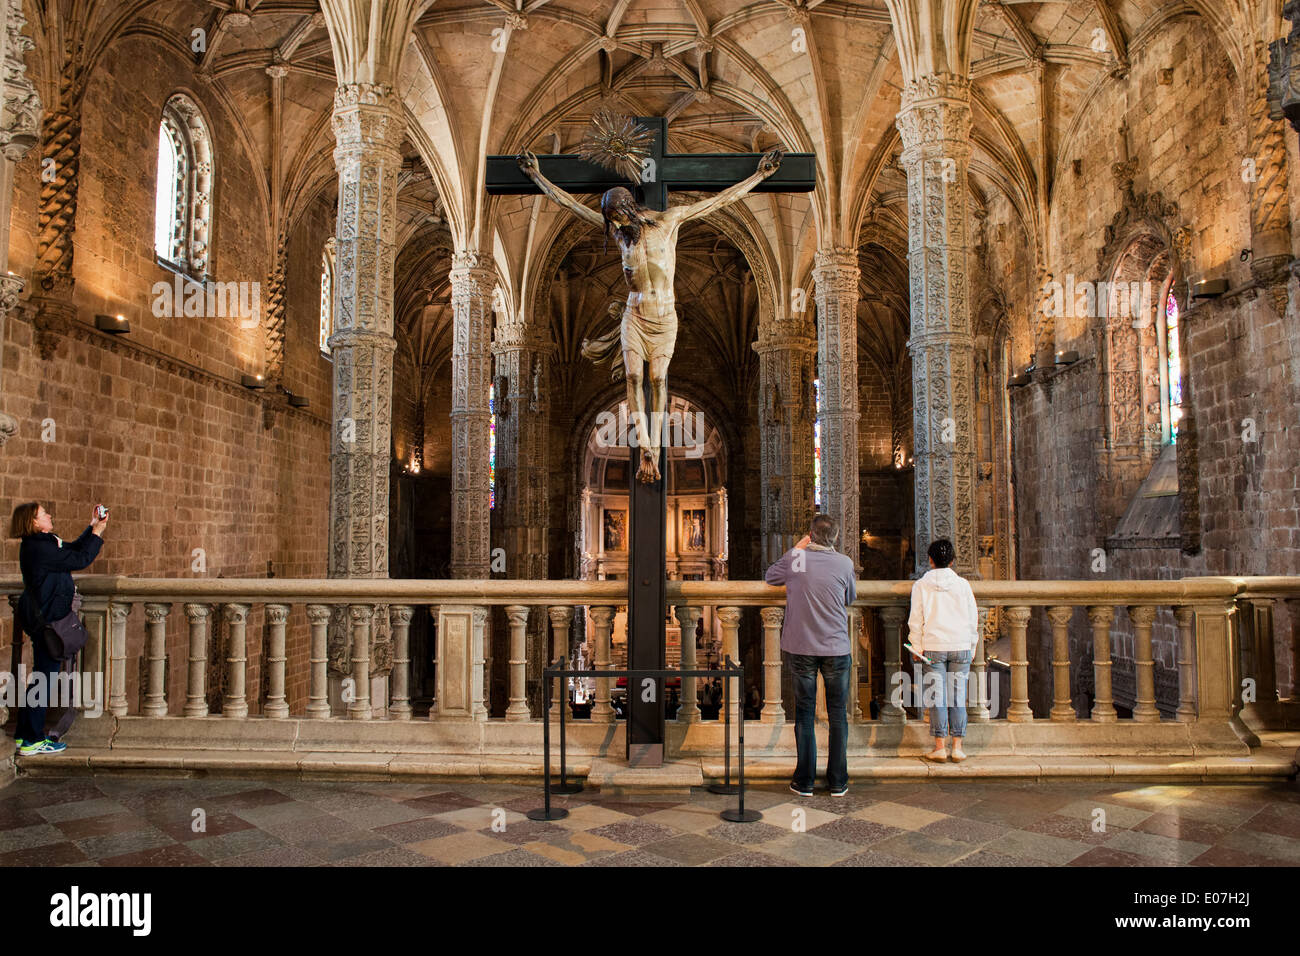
<point x="528" y="163"/>
<point x="769" y="164"/>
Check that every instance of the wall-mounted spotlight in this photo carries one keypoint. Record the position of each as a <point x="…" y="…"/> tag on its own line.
<point x="253" y="381"/>
<point x="112" y="324"/>
<point x="1067" y="358"/>
<point x="1017" y="380"/>
<point x="298" y="401"/>
<point x="1209" y="288"/>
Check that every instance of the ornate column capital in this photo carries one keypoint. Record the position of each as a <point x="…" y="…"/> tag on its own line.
<point x="20" y="118"/>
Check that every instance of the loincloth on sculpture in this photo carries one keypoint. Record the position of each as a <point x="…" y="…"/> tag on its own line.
<point x="651" y="337"/>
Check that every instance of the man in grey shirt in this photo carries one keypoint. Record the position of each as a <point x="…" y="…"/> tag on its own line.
<point x="819" y="587"/>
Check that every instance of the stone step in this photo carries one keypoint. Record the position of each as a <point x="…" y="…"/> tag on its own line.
<point x="1276" y="761"/>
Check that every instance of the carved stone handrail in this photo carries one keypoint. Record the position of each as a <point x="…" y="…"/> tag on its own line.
<point x="1186" y="591"/>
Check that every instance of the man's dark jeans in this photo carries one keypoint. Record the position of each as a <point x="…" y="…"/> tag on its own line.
<point x="835" y="674"/>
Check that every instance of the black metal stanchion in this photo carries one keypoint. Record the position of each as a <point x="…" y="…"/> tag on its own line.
<point x="547" y="812"/>
<point x="726" y="787"/>
<point x="740" y="814"/>
<point x="565" y="785"/>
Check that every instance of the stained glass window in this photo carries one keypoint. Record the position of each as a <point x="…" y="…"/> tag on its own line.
<point x="1174" y="366"/>
<point x="326" y="300"/>
<point x="817" y="445"/>
<point x="492" y="447"/>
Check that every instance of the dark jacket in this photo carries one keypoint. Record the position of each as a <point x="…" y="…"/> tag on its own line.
<point x="47" y="565"/>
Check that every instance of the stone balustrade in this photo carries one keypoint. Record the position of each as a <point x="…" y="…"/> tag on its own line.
<point x="1223" y="626"/>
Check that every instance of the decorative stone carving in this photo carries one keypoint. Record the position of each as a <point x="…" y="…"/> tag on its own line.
<point x="1270" y="209"/>
<point x="786" y="350"/>
<point x="472" y="288"/>
<point x="934" y="125"/>
<point x="21" y="116"/>
<point x="274" y="312"/>
<point x="836" y="275"/>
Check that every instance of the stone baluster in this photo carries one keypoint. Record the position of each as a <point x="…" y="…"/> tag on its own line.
<point x="276" y="706"/>
<point x="1062" y="707"/>
<point x="688" y="618"/>
<point x="1184" y="616"/>
<point x="361" y="616"/>
<point x="1018" y="618"/>
<point x="14" y="644"/>
<point x="1144" y="707"/>
<point x="117" y="615"/>
<point x="196" y="692"/>
<point x="318" y="704"/>
<point x="94" y="613"/>
<point x="399" y="615"/>
<point x="602" y="620"/>
<point x="773" y="707"/>
<point x="155" y="698"/>
<point x="978" y="694"/>
<point x="561" y="619"/>
<point x="235" y="704"/>
<point x="891" y="619"/>
<point x="1103" y="706"/>
<point x="729" y="617"/>
<point x="855" y="631"/>
<point x="517" y="616"/>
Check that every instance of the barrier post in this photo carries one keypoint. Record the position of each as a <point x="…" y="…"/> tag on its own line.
<point x="548" y="812"/>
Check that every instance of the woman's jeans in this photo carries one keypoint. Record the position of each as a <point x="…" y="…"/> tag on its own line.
<point x="835" y="674"/>
<point x="31" y="720"/>
<point x="943" y="689"/>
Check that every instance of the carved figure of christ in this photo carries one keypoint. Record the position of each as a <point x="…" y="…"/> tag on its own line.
<point x="647" y="242"/>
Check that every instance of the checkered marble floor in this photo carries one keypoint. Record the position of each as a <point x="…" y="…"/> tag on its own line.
<point x="150" y="821"/>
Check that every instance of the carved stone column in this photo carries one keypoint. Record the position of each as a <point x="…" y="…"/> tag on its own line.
<point x="19" y="132"/>
<point x="934" y="124"/>
<point x="471" y="370"/>
<point x="368" y="128"/>
<point x="523" y="506"/>
<point x="836" y="276"/>
<point x="787" y="412"/>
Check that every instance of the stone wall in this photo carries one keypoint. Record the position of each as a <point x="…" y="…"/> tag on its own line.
<point x="1186" y="140"/>
<point x="156" y="424"/>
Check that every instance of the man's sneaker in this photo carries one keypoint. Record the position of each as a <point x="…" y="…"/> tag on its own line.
<point x="45" y="746"/>
<point x="841" y="792"/>
<point x="802" y="793"/>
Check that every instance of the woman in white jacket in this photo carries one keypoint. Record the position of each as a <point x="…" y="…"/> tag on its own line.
<point x="944" y="626"/>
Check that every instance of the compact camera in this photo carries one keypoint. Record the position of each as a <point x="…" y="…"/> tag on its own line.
<point x="101" y="512"/>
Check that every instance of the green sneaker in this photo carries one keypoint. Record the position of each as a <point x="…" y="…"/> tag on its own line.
<point x="31" y="748"/>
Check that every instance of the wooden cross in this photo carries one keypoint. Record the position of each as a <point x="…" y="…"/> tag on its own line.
<point x="665" y="173"/>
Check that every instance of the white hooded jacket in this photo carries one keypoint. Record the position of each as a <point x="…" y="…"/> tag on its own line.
<point x="944" y="616"/>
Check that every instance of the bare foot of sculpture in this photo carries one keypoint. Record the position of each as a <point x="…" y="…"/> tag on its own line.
<point x="648" y="473"/>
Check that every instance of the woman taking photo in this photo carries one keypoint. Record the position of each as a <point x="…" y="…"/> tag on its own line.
<point x="47" y="563"/>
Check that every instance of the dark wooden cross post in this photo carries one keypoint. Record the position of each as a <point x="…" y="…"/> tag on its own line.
<point x="647" y="552"/>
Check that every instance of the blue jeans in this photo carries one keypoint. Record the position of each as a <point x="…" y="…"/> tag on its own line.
<point x="31" y="720"/>
<point x="948" y="690"/>
<point x="835" y="675"/>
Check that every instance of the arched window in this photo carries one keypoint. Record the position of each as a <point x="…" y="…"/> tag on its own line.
<point x="492" y="446"/>
<point x="327" y="296"/>
<point x="1173" y="366"/>
<point x="817" y="445"/>
<point x="183" y="197"/>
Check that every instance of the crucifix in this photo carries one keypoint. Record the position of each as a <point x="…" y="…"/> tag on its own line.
<point x="635" y="212"/>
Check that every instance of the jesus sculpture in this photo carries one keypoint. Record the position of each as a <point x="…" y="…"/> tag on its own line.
<point x="647" y="240"/>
